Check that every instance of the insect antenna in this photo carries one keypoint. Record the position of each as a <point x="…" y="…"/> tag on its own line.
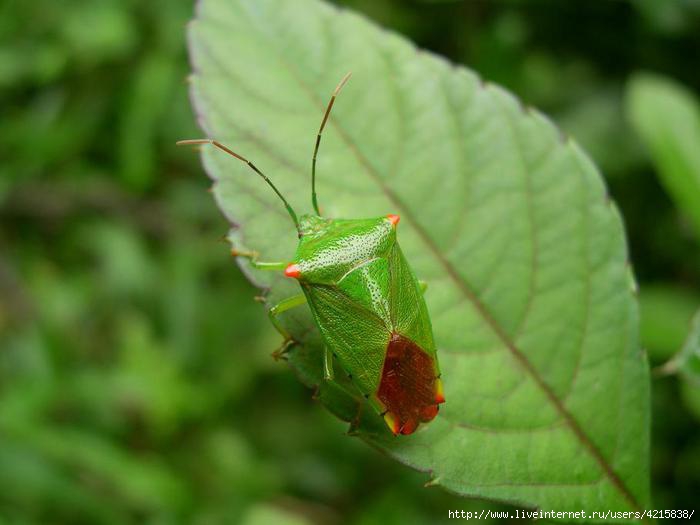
<point x="216" y="143"/>
<point x="340" y="85"/>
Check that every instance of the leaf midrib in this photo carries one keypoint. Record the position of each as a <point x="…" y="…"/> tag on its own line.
<point x="459" y="280"/>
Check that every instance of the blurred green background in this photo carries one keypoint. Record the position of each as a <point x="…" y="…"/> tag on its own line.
<point x="136" y="384"/>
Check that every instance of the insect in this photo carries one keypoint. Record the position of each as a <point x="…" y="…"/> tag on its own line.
<point x="366" y="302"/>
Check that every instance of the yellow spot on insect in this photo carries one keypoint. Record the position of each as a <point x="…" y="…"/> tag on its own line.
<point x="439" y="392"/>
<point x="392" y="422"/>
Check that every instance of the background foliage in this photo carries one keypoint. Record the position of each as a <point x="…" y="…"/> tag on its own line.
<point x="135" y="378"/>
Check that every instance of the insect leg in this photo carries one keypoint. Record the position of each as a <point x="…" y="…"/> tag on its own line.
<point x="328" y="373"/>
<point x="355" y="423"/>
<point x="281" y="307"/>
<point x="259" y="265"/>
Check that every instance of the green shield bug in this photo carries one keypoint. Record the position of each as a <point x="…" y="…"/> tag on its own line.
<point x="366" y="302"/>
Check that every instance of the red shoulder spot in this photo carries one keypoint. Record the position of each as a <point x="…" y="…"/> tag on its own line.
<point x="293" y="271"/>
<point x="408" y="386"/>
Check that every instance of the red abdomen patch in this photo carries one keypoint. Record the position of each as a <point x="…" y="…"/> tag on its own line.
<point x="408" y="388"/>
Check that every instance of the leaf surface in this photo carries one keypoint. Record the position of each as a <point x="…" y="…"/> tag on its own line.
<point x="688" y="359"/>
<point x="530" y="292"/>
<point x="666" y="116"/>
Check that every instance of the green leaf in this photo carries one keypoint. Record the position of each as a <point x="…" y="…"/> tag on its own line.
<point x="687" y="362"/>
<point x="531" y="295"/>
<point x="264" y="514"/>
<point x="666" y="311"/>
<point x="690" y="393"/>
<point x="667" y="118"/>
<point x="691" y="351"/>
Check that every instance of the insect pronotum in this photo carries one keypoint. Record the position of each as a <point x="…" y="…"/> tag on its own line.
<point x="366" y="302"/>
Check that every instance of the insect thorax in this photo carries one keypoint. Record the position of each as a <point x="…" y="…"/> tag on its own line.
<point x="330" y="248"/>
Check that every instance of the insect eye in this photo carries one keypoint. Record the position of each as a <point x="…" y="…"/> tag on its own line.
<point x="394" y="219"/>
<point x="293" y="271"/>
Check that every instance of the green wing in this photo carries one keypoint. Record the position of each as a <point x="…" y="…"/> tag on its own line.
<point x="368" y="285"/>
<point x="409" y="314"/>
<point x="355" y="334"/>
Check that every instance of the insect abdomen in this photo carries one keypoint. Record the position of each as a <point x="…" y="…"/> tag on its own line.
<point x="409" y="387"/>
